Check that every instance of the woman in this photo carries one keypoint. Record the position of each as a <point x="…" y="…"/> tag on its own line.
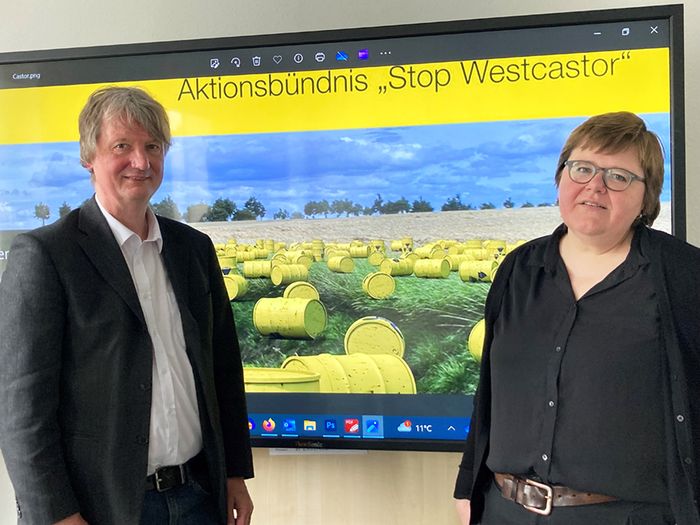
<point x="588" y="406"/>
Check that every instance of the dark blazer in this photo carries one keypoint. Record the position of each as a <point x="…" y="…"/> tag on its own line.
<point x="674" y="266"/>
<point x="75" y="379"/>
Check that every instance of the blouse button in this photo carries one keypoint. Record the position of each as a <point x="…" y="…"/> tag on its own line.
<point x="557" y="349"/>
<point x="680" y="418"/>
<point x="551" y="403"/>
<point x="545" y="457"/>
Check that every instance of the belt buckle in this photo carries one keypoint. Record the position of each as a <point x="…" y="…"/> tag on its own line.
<point x="158" y="480"/>
<point x="548" y="497"/>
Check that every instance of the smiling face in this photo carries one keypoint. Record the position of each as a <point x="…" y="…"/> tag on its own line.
<point x="593" y="212"/>
<point x="127" y="167"/>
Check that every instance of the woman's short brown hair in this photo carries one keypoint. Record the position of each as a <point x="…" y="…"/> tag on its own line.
<point x="616" y="132"/>
<point x="130" y="104"/>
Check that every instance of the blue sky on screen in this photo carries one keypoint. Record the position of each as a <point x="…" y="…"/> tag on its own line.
<point x="482" y="162"/>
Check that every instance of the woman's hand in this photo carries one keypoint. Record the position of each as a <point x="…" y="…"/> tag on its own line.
<point x="73" y="519"/>
<point x="463" y="510"/>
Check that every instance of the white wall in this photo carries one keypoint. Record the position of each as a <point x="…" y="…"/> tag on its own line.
<point x="51" y="24"/>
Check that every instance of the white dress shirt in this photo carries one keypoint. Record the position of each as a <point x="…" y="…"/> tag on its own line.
<point x="175" y="433"/>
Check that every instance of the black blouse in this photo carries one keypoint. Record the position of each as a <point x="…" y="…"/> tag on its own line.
<point x="577" y="385"/>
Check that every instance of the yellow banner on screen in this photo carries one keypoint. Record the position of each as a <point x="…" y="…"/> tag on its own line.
<point x="516" y="88"/>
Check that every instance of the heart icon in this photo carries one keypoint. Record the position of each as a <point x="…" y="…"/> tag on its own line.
<point x="277" y="59"/>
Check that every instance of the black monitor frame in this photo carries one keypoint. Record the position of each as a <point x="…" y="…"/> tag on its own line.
<point x="124" y="53"/>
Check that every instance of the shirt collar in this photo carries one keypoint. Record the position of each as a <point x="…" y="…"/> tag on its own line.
<point x="551" y="256"/>
<point x="122" y="234"/>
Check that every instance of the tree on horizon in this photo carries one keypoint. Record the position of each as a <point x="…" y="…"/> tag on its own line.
<point x="42" y="211"/>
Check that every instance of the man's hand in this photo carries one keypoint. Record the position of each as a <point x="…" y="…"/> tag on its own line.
<point x="73" y="519"/>
<point x="239" y="506"/>
<point x="464" y="510"/>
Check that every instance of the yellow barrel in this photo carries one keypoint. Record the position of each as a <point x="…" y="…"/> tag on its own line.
<point x="359" y="251"/>
<point x="255" y="269"/>
<point x="333" y="379"/>
<point x="423" y="252"/>
<point x="301" y="290"/>
<point x="289" y="317"/>
<point x="336" y="252"/>
<point x="431" y="251"/>
<point x="378" y="285"/>
<point x="477" y="254"/>
<point x="374" y="335"/>
<point x="363" y="374"/>
<point x="407" y="244"/>
<point x="455" y="260"/>
<point x="476" y="271"/>
<point x="475" y="342"/>
<point x="280" y="380"/>
<point x="227" y="261"/>
<point x="236" y="286"/>
<point x="341" y="264"/>
<point x="288" y="273"/>
<point x="300" y="257"/>
<point x="397" y="375"/>
<point x="377" y="245"/>
<point x="495" y="245"/>
<point x="397" y="267"/>
<point x="396" y="245"/>
<point x="456" y="249"/>
<point x="248" y="255"/>
<point x="376" y="258"/>
<point x="357" y="373"/>
<point x="474" y="244"/>
<point x="230" y="251"/>
<point x="280" y="258"/>
<point x="409" y="256"/>
<point x="432" y="268"/>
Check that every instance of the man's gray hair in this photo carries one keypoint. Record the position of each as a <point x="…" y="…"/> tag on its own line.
<point x="129" y="104"/>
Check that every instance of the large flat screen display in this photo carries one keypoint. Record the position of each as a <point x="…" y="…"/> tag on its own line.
<point x="360" y="186"/>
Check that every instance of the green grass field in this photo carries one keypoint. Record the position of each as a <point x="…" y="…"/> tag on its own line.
<point x="434" y="316"/>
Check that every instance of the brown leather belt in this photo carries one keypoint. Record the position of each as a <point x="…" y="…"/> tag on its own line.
<point x="540" y="498"/>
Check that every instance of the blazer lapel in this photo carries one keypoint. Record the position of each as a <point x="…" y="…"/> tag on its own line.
<point x="176" y="259"/>
<point x="175" y="255"/>
<point x="102" y="249"/>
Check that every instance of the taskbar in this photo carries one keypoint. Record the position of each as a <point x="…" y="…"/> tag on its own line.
<point x="356" y="426"/>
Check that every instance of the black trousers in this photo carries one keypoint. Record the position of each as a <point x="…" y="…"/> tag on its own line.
<point x="500" y="511"/>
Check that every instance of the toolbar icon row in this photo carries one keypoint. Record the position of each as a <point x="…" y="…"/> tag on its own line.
<point x="297" y="58"/>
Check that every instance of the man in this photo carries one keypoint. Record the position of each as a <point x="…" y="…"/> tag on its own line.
<point x="121" y="386"/>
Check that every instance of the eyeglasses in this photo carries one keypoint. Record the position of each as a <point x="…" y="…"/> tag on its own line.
<point x="615" y="179"/>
